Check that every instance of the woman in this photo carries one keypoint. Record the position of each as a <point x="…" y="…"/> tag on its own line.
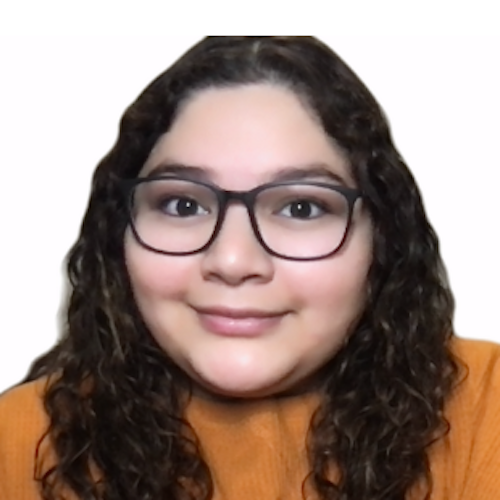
<point x="258" y="306"/>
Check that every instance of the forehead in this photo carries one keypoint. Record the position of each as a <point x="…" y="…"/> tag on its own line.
<point x="243" y="135"/>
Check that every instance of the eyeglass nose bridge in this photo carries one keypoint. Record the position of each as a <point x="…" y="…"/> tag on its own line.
<point x="247" y="198"/>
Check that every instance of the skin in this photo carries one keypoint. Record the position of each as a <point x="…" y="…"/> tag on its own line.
<point x="243" y="136"/>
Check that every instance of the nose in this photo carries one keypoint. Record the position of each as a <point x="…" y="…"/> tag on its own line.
<point x="236" y="256"/>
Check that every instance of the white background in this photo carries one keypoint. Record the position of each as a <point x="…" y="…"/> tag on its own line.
<point x="61" y="98"/>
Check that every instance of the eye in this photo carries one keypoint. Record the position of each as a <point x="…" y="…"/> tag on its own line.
<point x="303" y="209"/>
<point x="181" y="207"/>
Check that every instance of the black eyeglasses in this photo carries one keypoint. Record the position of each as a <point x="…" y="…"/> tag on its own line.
<point x="291" y="220"/>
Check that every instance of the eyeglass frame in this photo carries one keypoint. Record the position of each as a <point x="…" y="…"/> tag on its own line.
<point x="247" y="198"/>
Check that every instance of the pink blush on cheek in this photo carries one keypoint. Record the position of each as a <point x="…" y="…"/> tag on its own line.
<point x="155" y="275"/>
<point x="327" y="281"/>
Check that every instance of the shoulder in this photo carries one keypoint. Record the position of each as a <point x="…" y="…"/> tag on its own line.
<point x="481" y="361"/>
<point x="475" y="352"/>
<point x="476" y="399"/>
<point x="466" y="464"/>
<point x="23" y="392"/>
<point x="22" y="407"/>
<point x="23" y="422"/>
<point x="22" y="417"/>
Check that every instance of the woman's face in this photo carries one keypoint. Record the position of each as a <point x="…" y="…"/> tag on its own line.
<point x="239" y="321"/>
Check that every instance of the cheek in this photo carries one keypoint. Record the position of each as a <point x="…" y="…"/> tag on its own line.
<point x="157" y="277"/>
<point x="332" y="289"/>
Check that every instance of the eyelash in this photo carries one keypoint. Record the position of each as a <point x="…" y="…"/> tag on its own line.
<point x="167" y="201"/>
<point x="315" y="204"/>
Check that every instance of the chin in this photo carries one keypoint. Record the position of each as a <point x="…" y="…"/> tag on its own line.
<point x="239" y="387"/>
<point x="249" y="386"/>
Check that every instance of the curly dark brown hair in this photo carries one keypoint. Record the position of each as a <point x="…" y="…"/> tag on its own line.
<point x="115" y="400"/>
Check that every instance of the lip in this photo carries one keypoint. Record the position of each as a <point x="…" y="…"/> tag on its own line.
<point x="230" y="322"/>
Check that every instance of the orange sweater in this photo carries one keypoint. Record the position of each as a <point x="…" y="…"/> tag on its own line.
<point x="256" y="450"/>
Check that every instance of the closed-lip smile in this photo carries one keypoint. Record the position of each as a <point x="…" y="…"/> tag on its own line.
<point x="238" y="322"/>
<point x="238" y="313"/>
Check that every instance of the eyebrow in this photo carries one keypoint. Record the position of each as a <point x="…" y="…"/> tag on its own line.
<point x="181" y="170"/>
<point x="316" y="170"/>
<point x="303" y="172"/>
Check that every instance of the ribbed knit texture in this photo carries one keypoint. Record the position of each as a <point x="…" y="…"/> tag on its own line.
<point x="257" y="450"/>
